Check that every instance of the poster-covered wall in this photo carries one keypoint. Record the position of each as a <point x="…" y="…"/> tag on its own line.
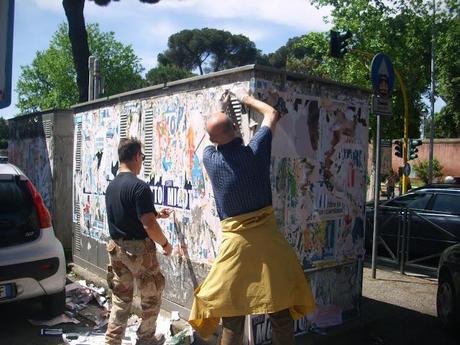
<point x="32" y="150"/>
<point x="318" y="180"/>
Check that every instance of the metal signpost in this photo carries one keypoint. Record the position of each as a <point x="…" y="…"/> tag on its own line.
<point x="382" y="77"/>
<point x="6" y="50"/>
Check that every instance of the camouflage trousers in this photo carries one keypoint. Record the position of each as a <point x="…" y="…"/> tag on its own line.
<point x="133" y="261"/>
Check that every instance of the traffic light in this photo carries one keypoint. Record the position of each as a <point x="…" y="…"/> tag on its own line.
<point x="399" y="148"/>
<point x="338" y="43"/>
<point x="413" y="150"/>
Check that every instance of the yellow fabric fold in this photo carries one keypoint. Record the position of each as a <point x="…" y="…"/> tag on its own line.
<point x="256" y="272"/>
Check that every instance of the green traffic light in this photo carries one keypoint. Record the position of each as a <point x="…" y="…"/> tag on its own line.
<point x="413" y="150"/>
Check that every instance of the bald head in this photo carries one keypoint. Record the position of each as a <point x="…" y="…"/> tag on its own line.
<point x="220" y="128"/>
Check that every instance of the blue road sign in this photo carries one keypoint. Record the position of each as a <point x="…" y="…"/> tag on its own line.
<point x="382" y="75"/>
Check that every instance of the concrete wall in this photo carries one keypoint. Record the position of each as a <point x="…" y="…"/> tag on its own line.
<point x="318" y="176"/>
<point x="446" y="151"/>
<point x="41" y="146"/>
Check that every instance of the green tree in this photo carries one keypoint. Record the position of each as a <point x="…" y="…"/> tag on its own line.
<point x="3" y="134"/>
<point x="448" y="77"/>
<point x="165" y="73"/>
<point x="79" y="40"/>
<point x="50" y="81"/>
<point x="402" y="30"/>
<point x="208" y="50"/>
<point x="421" y="170"/>
<point x="293" y="49"/>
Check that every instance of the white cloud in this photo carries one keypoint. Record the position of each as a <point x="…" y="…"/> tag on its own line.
<point x="161" y="30"/>
<point x="254" y="33"/>
<point x="299" y="14"/>
<point x="52" y="5"/>
<point x="148" y="60"/>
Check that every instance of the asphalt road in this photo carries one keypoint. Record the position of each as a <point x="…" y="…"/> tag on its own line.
<point x="15" y="328"/>
<point x="396" y="310"/>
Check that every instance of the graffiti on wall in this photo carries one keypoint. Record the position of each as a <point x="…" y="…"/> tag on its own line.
<point x="317" y="174"/>
<point x="32" y="152"/>
<point x="336" y="290"/>
<point x="99" y="137"/>
<point x="176" y="175"/>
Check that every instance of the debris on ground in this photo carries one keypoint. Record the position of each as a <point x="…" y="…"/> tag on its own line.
<point x="327" y="316"/>
<point x="51" y="331"/>
<point x="175" y="316"/>
<point x="184" y="337"/>
<point x="89" y="303"/>
<point x="79" y="296"/>
<point x="63" y="318"/>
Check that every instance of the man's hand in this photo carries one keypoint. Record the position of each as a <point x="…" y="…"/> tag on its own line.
<point x="167" y="250"/>
<point x="165" y="213"/>
<point x="224" y="101"/>
<point x="241" y="94"/>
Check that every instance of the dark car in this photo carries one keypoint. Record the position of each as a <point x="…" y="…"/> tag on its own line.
<point x="448" y="296"/>
<point x="421" y="224"/>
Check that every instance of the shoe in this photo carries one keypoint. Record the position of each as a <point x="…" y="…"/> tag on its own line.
<point x="158" y="339"/>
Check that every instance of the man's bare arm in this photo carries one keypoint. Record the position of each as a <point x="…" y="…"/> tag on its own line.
<point x="154" y="231"/>
<point x="271" y="115"/>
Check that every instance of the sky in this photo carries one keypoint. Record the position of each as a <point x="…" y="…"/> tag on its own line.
<point x="269" y="23"/>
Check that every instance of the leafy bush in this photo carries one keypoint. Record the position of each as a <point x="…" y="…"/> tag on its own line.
<point x="422" y="171"/>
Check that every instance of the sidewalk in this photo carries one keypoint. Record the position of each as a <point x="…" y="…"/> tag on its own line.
<point x="396" y="309"/>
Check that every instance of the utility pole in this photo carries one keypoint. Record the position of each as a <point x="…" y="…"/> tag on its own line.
<point x="432" y="127"/>
<point x="94" y="86"/>
<point x="91" y="60"/>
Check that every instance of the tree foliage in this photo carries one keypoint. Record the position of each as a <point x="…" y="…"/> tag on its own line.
<point x="166" y="73"/>
<point x="79" y="40"/>
<point x="401" y="29"/>
<point x="3" y="134"/>
<point x="208" y="50"/>
<point x="50" y="80"/>
<point x="448" y="77"/>
<point x="422" y="170"/>
<point x="292" y="49"/>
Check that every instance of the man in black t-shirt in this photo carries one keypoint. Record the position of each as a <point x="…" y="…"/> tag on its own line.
<point x="133" y="228"/>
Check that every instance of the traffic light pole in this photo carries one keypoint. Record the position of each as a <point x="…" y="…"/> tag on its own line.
<point x="376" y="199"/>
<point x="406" y="127"/>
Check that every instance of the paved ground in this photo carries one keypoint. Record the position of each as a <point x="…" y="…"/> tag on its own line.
<point x="397" y="310"/>
<point x="401" y="309"/>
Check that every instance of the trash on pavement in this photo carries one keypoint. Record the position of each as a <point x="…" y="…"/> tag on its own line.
<point x="63" y="318"/>
<point x="51" y="331"/>
<point x="327" y="316"/>
<point x="184" y="337"/>
<point x="92" y="338"/>
<point x="175" y="316"/>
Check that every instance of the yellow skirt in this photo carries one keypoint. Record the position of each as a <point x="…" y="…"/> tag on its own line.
<point x="256" y="272"/>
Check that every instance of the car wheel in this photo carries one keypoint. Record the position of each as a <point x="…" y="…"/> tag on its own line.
<point x="54" y="304"/>
<point x="446" y="302"/>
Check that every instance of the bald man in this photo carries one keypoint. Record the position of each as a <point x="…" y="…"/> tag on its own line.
<point x="256" y="271"/>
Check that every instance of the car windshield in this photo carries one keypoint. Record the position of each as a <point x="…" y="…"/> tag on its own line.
<point x="415" y="200"/>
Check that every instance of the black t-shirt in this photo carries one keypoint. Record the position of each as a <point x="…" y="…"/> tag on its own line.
<point x="127" y="198"/>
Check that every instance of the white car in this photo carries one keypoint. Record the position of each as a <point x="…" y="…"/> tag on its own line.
<point x="32" y="262"/>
